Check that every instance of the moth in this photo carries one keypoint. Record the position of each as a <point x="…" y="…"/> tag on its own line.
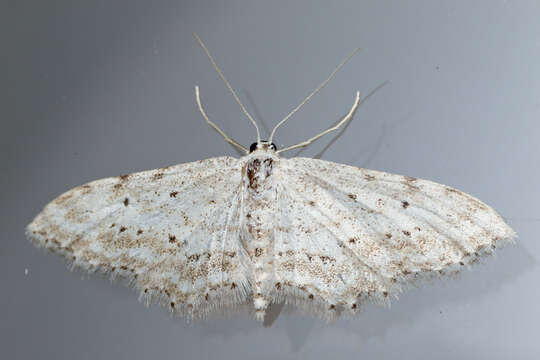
<point x="227" y="232"/>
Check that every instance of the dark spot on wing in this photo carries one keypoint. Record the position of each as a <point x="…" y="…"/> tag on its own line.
<point x="410" y="182"/>
<point x="352" y="240"/>
<point x="124" y="177"/>
<point x="312" y="203"/>
<point x="352" y="196"/>
<point x="310" y="296"/>
<point x="326" y="259"/>
<point x="126" y="202"/>
<point x="194" y="257"/>
<point x="353" y="306"/>
<point x="405" y="204"/>
<point x="451" y="190"/>
<point x="173" y="194"/>
<point x="122" y="229"/>
<point x="172" y="238"/>
<point x="139" y="232"/>
<point x="63" y="198"/>
<point x="388" y="235"/>
<point x="233" y="285"/>
<point x="258" y="252"/>
<point x="410" y="178"/>
<point x="172" y="305"/>
<point x="278" y="285"/>
<point x="369" y="177"/>
<point x="332" y="307"/>
<point x="157" y="176"/>
<point x="406" y="232"/>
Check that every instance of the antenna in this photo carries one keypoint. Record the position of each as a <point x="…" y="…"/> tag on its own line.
<point x="212" y="124"/>
<point x="329" y="130"/>
<point x="228" y="85"/>
<point x="313" y="93"/>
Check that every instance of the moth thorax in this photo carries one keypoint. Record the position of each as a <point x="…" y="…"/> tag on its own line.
<point x="258" y="170"/>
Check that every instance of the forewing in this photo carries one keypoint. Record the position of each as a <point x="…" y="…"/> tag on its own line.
<point x="172" y="231"/>
<point x="357" y="233"/>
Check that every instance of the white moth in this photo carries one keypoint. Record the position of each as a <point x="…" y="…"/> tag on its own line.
<point x="223" y="232"/>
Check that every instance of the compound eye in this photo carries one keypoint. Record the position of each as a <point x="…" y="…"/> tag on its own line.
<point x="273" y="146"/>
<point x="253" y="147"/>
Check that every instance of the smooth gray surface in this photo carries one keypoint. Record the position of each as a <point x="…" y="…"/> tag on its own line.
<point x="100" y="88"/>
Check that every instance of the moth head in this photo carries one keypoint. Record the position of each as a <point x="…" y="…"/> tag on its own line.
<point x="262" y="145"/>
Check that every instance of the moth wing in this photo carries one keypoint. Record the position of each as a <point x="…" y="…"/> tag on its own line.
<point x="348" y="233"/>
<point x="173" y="232"/>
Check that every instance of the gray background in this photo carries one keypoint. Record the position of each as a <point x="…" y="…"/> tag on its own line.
<point x="100" y="88"/>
